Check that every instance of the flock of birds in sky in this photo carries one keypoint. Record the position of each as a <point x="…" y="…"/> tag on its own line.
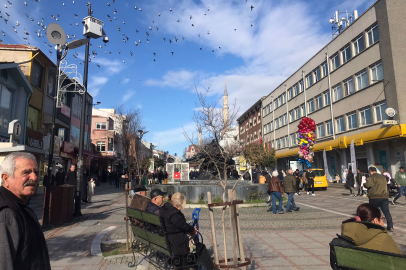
<point x="112" y="17"/>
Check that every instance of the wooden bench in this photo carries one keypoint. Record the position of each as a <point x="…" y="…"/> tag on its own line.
<point x="345" y="255"/>
<point x="151" y="241"/>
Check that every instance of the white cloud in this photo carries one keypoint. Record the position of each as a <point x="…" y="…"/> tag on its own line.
<point x="127" y="96"/>
<point x="95" y="83"/>
<point x="126" y="80"/>
<point x="170" y="137"/>
<point x="181" y="78"/>
<point x="113" y="66"/>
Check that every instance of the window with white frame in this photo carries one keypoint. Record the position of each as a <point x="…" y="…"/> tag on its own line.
<point x="290" y="93"/>
<point x="380" y="111"/>
<point x="326" y="97"/>
<point x="255" y="121"/>
<point x="291" y="116"/>
<point x="275" y="104"/>
<point x="100" y="146"/>
<point x="346" y="54"/>
<point x="297" y="113"/>
<point x="278" y="144"/>
<point x="297" y="137"/>
<point x="376" y="72"/>
<point x="335" y="62"/>
<point x="359" y="45"/>
<point x="264" y="111"/>
<point x="349" y="86"/>
<point x="293" y="139"/>
<point x="352" y="120"/>
<point x="296" y="89"/>
<point x="271" y="126"/>
<point x="309" y="80"/>
<point x="340" y="124"/>
<point x="320" y="131"/>
<point x="285" y="117"/>
<point x="287" y="140"/>
<point x="310" y="105"/>
<point x="302" y="110"/>
<point x="301" y="87"/>
<point x="276" y="123"/>
<point x="324" y="69"/>
<point x="338" y="92"/>
<point x="280" y="101"/>
<point x="362" y="79"/>
<point x="329" y="127"/>
<point x="317" y="75"/>
<point x="101" y="126"/>
<point x="282" y="121"/>
<point x="319" y="102"/>
<point x="373" y="34"/>
<point x="365" y="115"/>
<point x="283" y="142"/>
<point x="283" y="98"/>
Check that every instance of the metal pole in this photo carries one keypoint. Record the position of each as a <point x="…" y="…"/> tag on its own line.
<point x="79" y="175"/>
<point x="45" y="213"/>
<point x="304" y="89"/>
<point x="331" y="97"/>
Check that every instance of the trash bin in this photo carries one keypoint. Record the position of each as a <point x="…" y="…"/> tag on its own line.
<point x="61" y="204"/>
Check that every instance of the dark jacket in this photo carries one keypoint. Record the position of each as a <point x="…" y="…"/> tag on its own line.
<point x="280" y="175"/>
<point x="247" y="176"/>
<point x="289" y="184"/>
<point x="296" y="175"/>
<point x="59" y="178"/>
<point x="70" y="178"/>
<point x="377" y="187"/>
<point x="177" y="229"/>
<point x="310" y="174"/>
<point x="350" y="179"/>
<point x="274" y="185"/>
<point x="152" y="208"/>
<point x="22" y="242"/>
<point x="267" y="177"/>
<point x="359" y="178"/>
<point x="370" y="236"/>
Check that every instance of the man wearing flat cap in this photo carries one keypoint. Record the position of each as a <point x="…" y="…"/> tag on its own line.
<point x="157" y="200"/>
<point x="140" y="201"/>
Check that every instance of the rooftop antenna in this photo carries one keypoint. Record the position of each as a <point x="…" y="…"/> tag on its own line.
<point x="339" y="24"/>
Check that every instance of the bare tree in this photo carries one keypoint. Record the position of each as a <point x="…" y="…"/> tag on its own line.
<point x="130" y="123"/>
<point x="257" y="154"/>
<point x="219" y="147"/>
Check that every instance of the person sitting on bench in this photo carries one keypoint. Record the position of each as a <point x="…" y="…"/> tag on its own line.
<point x="366" y="230"/>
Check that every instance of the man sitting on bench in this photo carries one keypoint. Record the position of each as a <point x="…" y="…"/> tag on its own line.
<point x="157" y="200"/>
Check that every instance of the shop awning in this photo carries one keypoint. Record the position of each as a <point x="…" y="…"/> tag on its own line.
<point x="90" y="155"/>
<point x="381" y="134"/>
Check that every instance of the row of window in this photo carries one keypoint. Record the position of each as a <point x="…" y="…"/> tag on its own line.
<point x="252" y="137"/>
<point x="362" y="80"/>
<point x="360" y="118"/>
<point x="349" y="51"/>
<point x="252" y="123"/>
<point x="101" y="146"/>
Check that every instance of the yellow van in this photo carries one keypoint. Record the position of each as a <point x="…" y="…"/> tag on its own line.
<point x="320" y="181"/>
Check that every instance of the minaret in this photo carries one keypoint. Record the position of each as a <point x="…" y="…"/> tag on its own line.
<point x="200" y="137"/>
<point x="225" y="105"/>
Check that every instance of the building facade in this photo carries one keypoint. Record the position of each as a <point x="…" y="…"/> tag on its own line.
<point x="346" y="88"/>
<point x="191" y="151"/>
<point x="250" y="125"/>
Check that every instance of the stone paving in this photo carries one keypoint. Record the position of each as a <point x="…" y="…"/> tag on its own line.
<point x="297" y="240"/>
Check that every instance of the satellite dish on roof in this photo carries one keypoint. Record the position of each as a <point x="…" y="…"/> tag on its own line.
<point x="55" y="34"/>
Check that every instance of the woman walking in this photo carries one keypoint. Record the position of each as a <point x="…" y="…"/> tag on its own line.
<point x="350" y="181"/>
<point x="276" y="191"/>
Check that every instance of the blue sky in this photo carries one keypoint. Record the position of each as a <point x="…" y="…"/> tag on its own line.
<point x="253" y="60"/>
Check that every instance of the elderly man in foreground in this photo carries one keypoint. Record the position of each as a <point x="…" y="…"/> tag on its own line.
<point x="22" y="243"/>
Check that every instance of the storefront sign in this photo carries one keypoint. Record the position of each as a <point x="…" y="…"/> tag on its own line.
<point x="65" y="110"/>
<point x="65" y="155"/>
<point x="57" y="146"/>
<point x="34" y="143"/>
<point x="243" y="163"/>
<point x="68" y="147"/>
<point x="109" y="153"/>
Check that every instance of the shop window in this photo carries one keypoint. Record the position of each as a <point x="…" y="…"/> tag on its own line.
<point x="6" y="99"/>
<point x="36" y="74"/>
<point x="32" y="118"/>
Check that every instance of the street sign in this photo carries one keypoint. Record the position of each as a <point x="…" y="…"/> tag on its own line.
<point x="390" y="122"/>
<point x="14" y="128"/>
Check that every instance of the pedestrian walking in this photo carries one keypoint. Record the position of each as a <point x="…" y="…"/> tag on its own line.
<point x="289" y="185"/>
<point x="310" y="180"/>
<point x="359" y="182"/>
<point x="165" y="177"/>
<point x="280" y="176"/>
<point x="195" y="174"/>
<point x="378" y="194"/>
<point x="304" y="180"/>
<point x="350" y="181"/>
<point x="160" y="177"/>
<point x="90" y="185"/>
<point x="400" y="179"/>
<point x="247" y="176"/>
<point x="70" y="177"/>
<point x="22" y="242"/>
<point x="276" y="190"/>
<point x="296" y="175"/>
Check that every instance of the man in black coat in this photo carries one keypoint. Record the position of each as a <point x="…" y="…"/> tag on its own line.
<point x="22" y="242"/>
<point x="296" y="175"/>
<point x="157" y="200"/>
<point x="310" y="175"/>
<point x="70" y="177"/>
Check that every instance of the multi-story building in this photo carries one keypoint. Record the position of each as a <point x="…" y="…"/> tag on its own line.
<point x="249" y="124"/>
<point x="40" y="72"/>
<point x="346" y="88"/>
<point x="191" y="151"/>
<point x="106" y="135"/>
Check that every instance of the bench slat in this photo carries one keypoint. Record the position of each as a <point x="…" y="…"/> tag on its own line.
<point x="139" y="232"/>
<point x="151" y="218"/>
<point x="359" y="259"/>
<point x="156" y="239"/>
<point x="159" y="248"/>
<point x="134" y="213"/>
